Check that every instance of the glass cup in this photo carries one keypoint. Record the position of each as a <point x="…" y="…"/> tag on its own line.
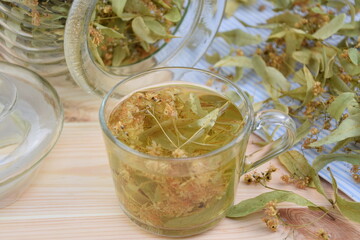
<point x="198" y="190"/>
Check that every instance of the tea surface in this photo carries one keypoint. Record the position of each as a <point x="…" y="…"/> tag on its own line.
<point x="176" y="121"/>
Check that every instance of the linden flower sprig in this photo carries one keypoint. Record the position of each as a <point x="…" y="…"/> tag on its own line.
<point x="310" y="67"/>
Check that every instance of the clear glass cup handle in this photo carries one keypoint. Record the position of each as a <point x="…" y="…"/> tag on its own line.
<point x="270" y="118"/>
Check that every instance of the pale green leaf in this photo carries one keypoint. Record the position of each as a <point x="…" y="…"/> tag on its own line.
<point x="277" y="35"/>
<point x="195" y="105"/>
<point x="205" y="123"/>
<point x="142" y="30"/>
<point x="349" y="67"/>
<point x="354" y="56"/>
<point x="288" y="18"/>
<point x="350" y="127"/>
<point x="145" y="46"/>
<point x="238" y="74"/>
<point x="329" y="55"/>
<point x="118" y="6"/>
<point x="173" y="15"/>
<point x="237" y="61"/>
<point x="95" y="53"/>
<point x="163" y="4"/>
<point x="322" y="160"/>
<point x="128" y="16"/>
<point x="179" y="3"/>
<point x="297" y="93"/>
<point x="110" y="32"/>
<point x="309" y="86"/>
<point x="350" y="29"/>
<point x="349" y="209"/>
<point x="239" y="37"/>
<point x="302" y="131"/>
<point x="354" y="107"/>
<point x="298" y="165"/>
<point x="330" y="28"/>
<point x="120" y="54"/>
<point x="155" y="27"/>
<point x="137" y="7"/>
<point x="342" y="144"/>
<point x="277" y="79"/>
<point x="281" y="107"/>
<point x="258" y="203"/>
<point x="281" y="5"/>
<point x="339" y="85"/>
<point x="338" y="5"/>
<point x="338" y="106"/>
<point x="260" y="26"/>
<point x="317" y="10"/>
<point x="316" y="63"/>
<point x="273" y="80"/>
<point x="212" y="59"/>
<point x="303" y="56"/>
<point x="231" y="7"/>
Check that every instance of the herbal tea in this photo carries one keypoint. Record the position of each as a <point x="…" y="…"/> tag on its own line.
<point x="176" y="121"/>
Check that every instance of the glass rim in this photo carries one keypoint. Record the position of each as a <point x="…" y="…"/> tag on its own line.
<point x="247" y="127"/>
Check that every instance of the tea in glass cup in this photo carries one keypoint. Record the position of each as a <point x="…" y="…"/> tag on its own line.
<point x="176" y="147"/>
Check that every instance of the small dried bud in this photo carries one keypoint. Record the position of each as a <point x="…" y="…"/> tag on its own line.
<point x="286" y="178"/>
<point x="272" y="168"/>
<point x="179" y="153"/>
<point x="327" y="125"/>
<point x="248" y="179"/>
<point x="322" y="235"/>
<point x="314" y="131"/>
<point x="356" y="177"/>
<point x="270" y="209"/>
<point x="261" y="8"/>
<point x="317" y="90"/>
<point x="239" y="52"/>
<point x="272" y="223"/>
<point x="107" y="9"/>
<point x="345" y="116"/>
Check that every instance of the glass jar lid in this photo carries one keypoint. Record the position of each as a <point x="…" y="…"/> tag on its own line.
<point x="31" y="119"/>
<point x="193" y="35"/>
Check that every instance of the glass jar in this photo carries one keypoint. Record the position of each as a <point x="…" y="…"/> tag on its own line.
<point x="31" y="34"/>
<point x="195" y="32"/>
<point x="31" y="119"/>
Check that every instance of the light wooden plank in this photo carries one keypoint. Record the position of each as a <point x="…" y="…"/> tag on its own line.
<point x="73" y="198"/>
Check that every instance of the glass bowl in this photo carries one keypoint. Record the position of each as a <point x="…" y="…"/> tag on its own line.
<point x="194" y="34"/>
<point x="31" y="119"/>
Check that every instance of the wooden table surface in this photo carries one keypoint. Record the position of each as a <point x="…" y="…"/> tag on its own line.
<point x="73" y="196"/>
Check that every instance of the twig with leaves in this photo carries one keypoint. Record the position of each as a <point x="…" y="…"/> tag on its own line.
<point x="314" y="78"/>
